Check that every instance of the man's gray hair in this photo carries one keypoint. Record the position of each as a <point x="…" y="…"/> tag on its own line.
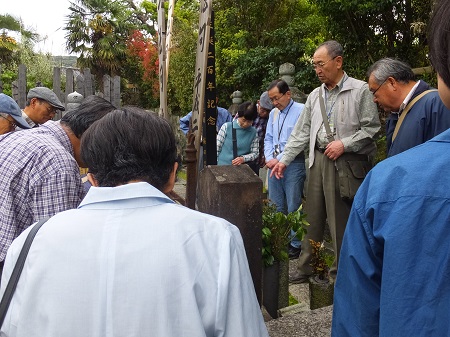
<point x="333" y="47"/>
<point x="389" y="67"/>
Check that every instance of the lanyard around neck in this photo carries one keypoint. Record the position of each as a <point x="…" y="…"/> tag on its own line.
<point x="282" y="124"/>
<point x="326" y="99"/>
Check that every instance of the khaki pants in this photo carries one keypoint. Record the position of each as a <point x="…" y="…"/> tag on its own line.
<point x="323" y="204"/>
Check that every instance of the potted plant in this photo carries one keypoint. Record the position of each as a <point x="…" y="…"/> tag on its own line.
<point x="321" y="289"/>
<point x="276" y="236"/>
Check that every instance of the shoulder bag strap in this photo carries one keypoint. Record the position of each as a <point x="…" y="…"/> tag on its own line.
<point x="406" y="110"/>
<point x="233" y="132"/>
<point x="12" y="283"/>
<point x="330" y="136"/>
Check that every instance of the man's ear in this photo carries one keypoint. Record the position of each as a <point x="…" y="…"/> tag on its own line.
<point x="171" y="182"/>
<point x="339" y="61"/>
<point x="92" y="180"/>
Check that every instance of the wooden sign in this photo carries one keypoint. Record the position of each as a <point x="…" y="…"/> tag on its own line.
<point x="198" y="104"/>
<point x="210" y="124"/>
<point x="169" y="35"/>
<point x="162" y="60"/>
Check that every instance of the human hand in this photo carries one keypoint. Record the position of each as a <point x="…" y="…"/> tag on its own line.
<point x="238" y="161"/>
<point x="271" y="163"/>
<point x="334" y="149"/>
<point x="278" y="170"/>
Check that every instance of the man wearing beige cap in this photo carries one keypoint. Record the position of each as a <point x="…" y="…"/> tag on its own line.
<point x="42" y="105"/>
<point x="10" y="115"/>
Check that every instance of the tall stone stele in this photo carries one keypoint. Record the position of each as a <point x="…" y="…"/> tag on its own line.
<point x="287" y="72"/>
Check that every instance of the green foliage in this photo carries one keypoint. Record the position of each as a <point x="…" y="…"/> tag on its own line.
<point x="381" y="149"/>
<point x="39" y="67"/>
<point x="254" y="38"/>
<point x="321" y="260"/>
<point x="370" y="30"/>
<point x="276" y="232"/>
<point x="182" y="57"/>
<point x="99" y="31"/>
<point x="292" y="300"/>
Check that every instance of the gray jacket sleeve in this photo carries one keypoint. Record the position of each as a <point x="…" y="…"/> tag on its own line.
<point x="369" y="123"/>
<point x="299" y="139"/>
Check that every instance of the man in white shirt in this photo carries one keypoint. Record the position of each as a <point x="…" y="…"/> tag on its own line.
<point x="129" y="261"/>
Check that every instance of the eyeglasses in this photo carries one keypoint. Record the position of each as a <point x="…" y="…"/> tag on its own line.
<point x="276" y="99"/>
<point x="11" y="123"/>
<point x="50" y="109"/>
<point x="320" y="65"/>
<point x="373" y="92"/>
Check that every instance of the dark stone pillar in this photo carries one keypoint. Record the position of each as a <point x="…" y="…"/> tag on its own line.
<point x="234" y="193"/>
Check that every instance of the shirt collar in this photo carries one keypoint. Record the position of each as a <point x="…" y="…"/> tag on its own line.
<point x="339" y="85"/>
<point x="141" y="192"/>
<point x="408" y="97"/>
<point x="28" y="120"/>
<point x="287" y="106"/>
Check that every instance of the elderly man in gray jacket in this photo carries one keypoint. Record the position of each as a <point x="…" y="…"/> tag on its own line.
<point x="352" y="118"/>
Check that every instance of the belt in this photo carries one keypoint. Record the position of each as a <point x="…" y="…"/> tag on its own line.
<point x="320" y="149"/>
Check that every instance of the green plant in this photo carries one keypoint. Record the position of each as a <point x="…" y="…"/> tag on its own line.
<point x="321" y="260"/>
<point x="276" y="232"/>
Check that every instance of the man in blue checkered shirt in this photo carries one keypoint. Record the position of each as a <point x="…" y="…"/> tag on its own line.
<point x="39" y="172"/>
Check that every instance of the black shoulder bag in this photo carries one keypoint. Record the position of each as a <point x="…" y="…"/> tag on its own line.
<point x="352" y="167"/>
<point x="233" y="132"/>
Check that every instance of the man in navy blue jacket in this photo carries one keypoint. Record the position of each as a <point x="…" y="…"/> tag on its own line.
<point x="394" y="267"/>
<point x="416" y="109"/>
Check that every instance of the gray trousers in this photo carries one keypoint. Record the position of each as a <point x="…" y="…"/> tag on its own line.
<point x="323" y="203"/>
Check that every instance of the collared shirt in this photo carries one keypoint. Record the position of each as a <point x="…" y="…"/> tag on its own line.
<point x="28" y="120"/>
<point x="254" y="146"/>
<point x="329" y="98"/>
<point x="386" y="285"/>
<point x="407" y="99"/>
<point x="38" y="178"/>
<point x="223" y="116"/>
<point x="279" y="128"/>
<point x="357" y="122"/>
<point x="130" y="262"/>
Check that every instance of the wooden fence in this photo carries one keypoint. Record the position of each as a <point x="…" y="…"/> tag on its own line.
<point x="79" y="80"/>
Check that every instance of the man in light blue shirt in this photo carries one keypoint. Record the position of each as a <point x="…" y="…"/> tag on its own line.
<point x="286" y="193"/>
<point x="129" y="261"/>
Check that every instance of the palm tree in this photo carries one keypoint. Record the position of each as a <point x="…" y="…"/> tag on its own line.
<point x="98" y="30"/>
<point x="8" y="44"/>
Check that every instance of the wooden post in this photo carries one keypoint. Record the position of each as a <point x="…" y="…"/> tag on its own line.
<point x="115" y="97"/>
<point x="79" y="84"/>
<point x="200" y="72"/>
<point x="107" y="87"/>
<point x="22" y="86"/>
<point x="69" y="81"/>
<point x="191" y="171"/>
<point x="57" y="84"/>
<point x="169" y="36"/>
<point x="162" y="60"/>
<point x="88" y="90"/>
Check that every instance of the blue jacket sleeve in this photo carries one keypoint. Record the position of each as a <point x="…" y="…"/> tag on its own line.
<point x="184" y="123"/>
<point x="357" y="291"/>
